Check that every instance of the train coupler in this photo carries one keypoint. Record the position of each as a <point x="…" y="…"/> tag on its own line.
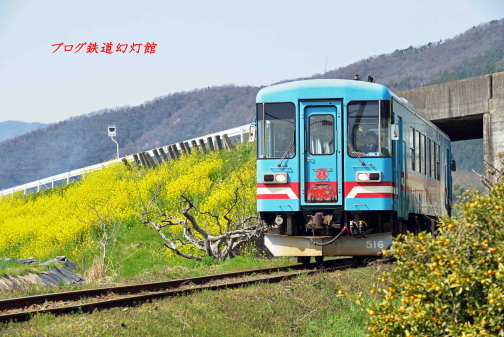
<point x="319" y="221"/>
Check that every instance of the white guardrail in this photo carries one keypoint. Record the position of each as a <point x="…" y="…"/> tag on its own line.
<point x="46" y="183"/>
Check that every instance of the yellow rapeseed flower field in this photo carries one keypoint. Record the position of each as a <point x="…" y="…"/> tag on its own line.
<point x="63" y="221"/>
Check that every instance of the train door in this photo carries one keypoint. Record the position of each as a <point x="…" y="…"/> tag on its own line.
<point x="322" y="169"/>
<point x="400" y="170"/>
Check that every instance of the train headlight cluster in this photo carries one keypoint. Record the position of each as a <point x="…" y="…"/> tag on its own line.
<point x="275" y="178"/>
<point x="281" y="177"/>
<point x="369" y="176"/>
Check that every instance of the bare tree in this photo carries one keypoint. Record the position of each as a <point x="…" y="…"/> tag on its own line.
<point x="107" y="230"/>
<point x="493" y="174"/>
<point x="232" y="232"/>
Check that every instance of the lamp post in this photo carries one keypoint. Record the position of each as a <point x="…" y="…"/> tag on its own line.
<point x="112" y="133"/>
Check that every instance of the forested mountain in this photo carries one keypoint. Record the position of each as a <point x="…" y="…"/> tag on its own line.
<point x="478" y="51"/>
<point x="11" y="129"/>
<point x="82" y="141"/>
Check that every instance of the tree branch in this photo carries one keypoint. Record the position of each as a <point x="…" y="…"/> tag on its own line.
<point x="234" y="234"/>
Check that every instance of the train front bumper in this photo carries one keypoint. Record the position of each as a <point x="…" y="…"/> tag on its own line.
<point x="372" y="245"/>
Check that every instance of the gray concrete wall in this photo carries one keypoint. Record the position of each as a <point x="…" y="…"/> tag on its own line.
<point x="460" y="107"/>
<point x="453" y="99"/>
<point x="493" y="126"/>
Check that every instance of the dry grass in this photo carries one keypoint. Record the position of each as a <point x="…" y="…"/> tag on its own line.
<point x="96" y="272"/>
<point x="20" y="282"/>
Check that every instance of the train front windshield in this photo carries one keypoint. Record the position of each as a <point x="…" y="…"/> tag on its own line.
<point x="276" y="130"/>
<point x="369" y="129"/>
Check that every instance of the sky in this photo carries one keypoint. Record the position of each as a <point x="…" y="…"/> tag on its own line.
<point x="196" y="44"/>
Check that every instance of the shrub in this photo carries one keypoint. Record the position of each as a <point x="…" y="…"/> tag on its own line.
<point x="449" y="284"/>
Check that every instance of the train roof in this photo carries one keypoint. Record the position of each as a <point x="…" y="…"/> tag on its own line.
<point x="323" y="88"/>
<point x="334" y="89"/>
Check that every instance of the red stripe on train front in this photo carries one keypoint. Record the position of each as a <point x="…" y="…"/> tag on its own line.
<point x="354" y="189"/>
<point x="278" y="191"/>
<point x="273" y="196"/>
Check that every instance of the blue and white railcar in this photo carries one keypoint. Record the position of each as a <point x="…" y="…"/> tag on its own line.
<point x="343" y="165"/>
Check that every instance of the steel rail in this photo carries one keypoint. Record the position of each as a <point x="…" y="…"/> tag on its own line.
<point x="18" y="303"/>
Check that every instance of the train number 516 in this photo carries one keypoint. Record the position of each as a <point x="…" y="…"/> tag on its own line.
<point x="374" y="244"/>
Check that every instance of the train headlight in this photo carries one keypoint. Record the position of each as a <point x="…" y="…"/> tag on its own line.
<point x="281" y="177"/>
<point x="275" y="178"/>
<point x="362" y="176"/>
<point x="268" y="178"/>
<point x="369" y="176"/>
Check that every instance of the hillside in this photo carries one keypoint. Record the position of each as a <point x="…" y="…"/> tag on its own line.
<point x="82" y="141"/>
<point x="11" y="129"/>
<point x="478" y="51"/>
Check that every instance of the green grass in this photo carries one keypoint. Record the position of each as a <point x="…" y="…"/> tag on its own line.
<point x="154" y="270"/>
<point x="10" y="268"/>
<point x="304" y="306"/>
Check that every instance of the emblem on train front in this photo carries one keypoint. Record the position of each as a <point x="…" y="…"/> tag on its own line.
<point x="322" y="173"/>
<point x="321" y="193"/>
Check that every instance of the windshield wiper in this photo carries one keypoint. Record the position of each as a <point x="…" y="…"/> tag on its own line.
<point x="285" y="154"/>
<point x="356" y="153"/>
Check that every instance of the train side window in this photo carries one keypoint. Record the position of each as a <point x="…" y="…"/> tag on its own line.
<point x="433" y="159"/>
<point x="276" y="130"/>
<point x="422" y="144"/>
<point x="418" y="150"/>
<point x="369" y="128"/>
<point x="321" y="134"/>
<point x="438" y="164"/>
<point x="385" y="125"/>
<point x="427" y="157"/>
<point x="412" y="148"/>
<point x="424" y="154"/>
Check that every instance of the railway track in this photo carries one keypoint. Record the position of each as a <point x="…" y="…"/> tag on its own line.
<point x="23" y="308"/>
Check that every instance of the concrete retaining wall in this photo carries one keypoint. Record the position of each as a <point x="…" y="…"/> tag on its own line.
<point x="460" y="107"/>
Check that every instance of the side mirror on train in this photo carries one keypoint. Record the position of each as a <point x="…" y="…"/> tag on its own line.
<point x="252" y="133"/>
<point x="252" y="130"/>
<point x="394" y="131"/>
<point x="453" y="165"/>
